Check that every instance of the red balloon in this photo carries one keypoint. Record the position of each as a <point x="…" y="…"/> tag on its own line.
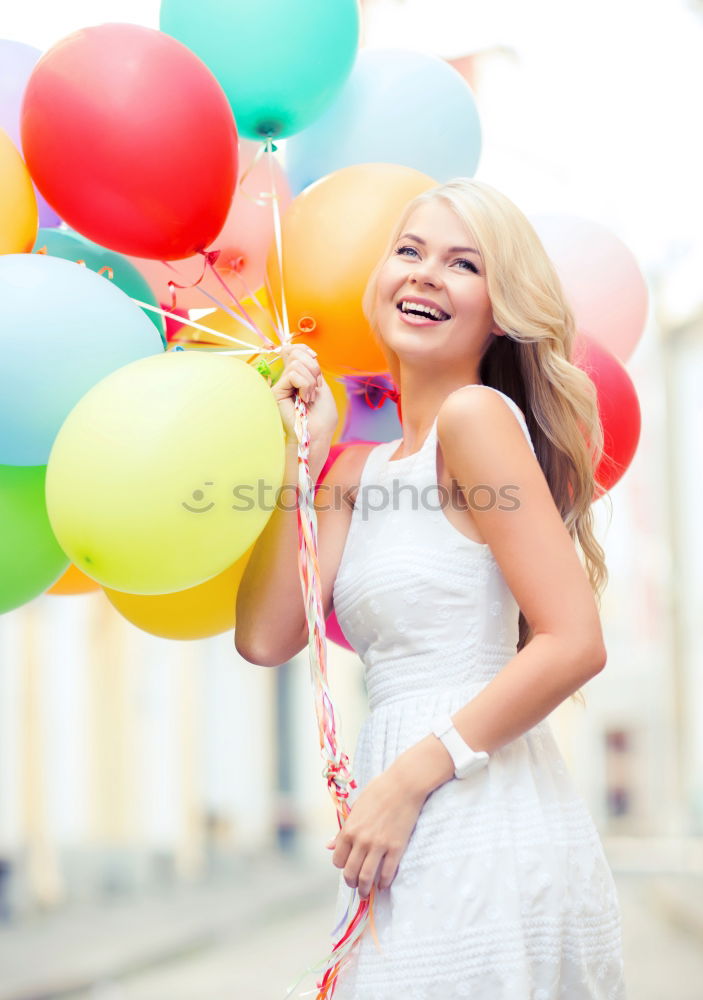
<point x="618" y="406"/>
<point x="130" y="137"/>
<point x="332" y="627"/>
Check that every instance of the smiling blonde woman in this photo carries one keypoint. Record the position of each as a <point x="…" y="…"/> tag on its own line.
<point x="456" y="577"/>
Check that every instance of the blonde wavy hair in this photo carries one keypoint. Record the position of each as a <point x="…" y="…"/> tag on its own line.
<point x="532" y="362"/>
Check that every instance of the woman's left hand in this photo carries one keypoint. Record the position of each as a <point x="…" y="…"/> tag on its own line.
<point x="376" y="832"/>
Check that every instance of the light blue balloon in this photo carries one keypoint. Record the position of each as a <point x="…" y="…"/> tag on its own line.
<point x="69" y="245"/>
<point x="62" y="329"/>
<point x="280" y="62"/>
<point x="396" y="107"/>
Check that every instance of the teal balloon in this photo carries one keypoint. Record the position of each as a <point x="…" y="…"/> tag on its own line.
<point x="280" y="62"/>
<point x="72" y="246"/>
<point x="30" y="557"/>
<point x="398" y="107"/>
<point x="63" y="328"/>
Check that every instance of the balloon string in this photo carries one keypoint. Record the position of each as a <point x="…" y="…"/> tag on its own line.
<point x="263" y="148"/>
<point x="253" y="349"/>
<point x="208" y="295"/>
<point x="172" y="285"/>
<point x="337" y="772"/>
<point x="218" y="277"/>
<point x="282" y="318"/>
<point x="252" y="295"/>
<point x="266" y="195"/>
<point x="220" y="305"/>
<point x="340" y="782"/>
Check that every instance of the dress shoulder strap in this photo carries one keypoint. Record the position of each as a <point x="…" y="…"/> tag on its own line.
<point x="516" y="410"/>
<point x="375" y="462"/>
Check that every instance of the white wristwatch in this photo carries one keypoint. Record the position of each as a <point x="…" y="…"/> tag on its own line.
<point x="466" y="760"/>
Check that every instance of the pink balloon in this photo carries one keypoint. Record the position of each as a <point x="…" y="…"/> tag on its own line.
<point x="334" y="632"/>
<point x="601" y="278"/>
<point x="243" y="241"/>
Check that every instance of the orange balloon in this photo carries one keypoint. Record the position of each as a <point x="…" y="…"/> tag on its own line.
<point x="196" y="613"/>
<point x="334" y="233"/>
<point x="73" y="581"/>
<point x="339" y="393"/>
<point x="19" y="217"/>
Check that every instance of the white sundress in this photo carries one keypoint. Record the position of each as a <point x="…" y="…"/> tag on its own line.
<point x="504" y="891"/>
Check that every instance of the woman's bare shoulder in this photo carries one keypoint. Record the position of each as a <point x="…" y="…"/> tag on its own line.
<point x="346" y="470"/>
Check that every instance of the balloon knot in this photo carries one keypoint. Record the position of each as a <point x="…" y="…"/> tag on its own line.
<point x="306" y="324"/>
<point x="264" y="368"/>
<point x="210" y="256"/>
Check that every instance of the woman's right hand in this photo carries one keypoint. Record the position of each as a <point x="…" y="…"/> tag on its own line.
<point x="302" y="372"/>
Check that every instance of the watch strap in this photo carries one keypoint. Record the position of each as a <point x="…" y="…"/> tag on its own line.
<point x="466" y="760"/>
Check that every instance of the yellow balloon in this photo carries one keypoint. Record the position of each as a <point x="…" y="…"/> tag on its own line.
<point x="196" y="613"/>
<point x="259" y="308"/>
<point x="19" y="217"/>
<point x="166" y="471"/>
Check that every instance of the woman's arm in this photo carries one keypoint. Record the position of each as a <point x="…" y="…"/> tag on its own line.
<point x="483" y="443"/>
<point x="271" y="626"/>
<point x="271" y="622"/>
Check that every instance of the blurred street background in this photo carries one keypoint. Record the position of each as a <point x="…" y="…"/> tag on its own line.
<point x="162" y="809"/>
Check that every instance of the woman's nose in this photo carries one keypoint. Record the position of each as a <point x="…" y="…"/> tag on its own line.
<point x="425" y="276"/>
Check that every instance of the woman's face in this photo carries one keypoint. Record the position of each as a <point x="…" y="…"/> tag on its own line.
<point x="432" y="299"/>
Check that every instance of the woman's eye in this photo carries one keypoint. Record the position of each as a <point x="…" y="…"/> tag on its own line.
<point x="401" y="250"/>
<point x="469" y="264"/>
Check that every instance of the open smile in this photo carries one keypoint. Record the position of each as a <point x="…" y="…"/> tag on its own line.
<point x="421" y="312"/>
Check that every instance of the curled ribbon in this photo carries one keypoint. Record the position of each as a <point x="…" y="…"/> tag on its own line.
<point x="376" y="389"/>
<point x="209" y="258"/>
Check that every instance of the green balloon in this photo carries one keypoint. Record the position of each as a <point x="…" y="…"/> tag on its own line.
<point x="280" y="62"/>
<point x="30" y="557"/>
<point x="72" y="246"/>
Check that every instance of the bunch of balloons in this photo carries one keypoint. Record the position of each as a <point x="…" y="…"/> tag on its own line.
<point x="140" y="446"/>
<point x="152" y="471"/>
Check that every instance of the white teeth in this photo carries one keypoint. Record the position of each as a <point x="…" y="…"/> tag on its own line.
<point x="415" y="307"/>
